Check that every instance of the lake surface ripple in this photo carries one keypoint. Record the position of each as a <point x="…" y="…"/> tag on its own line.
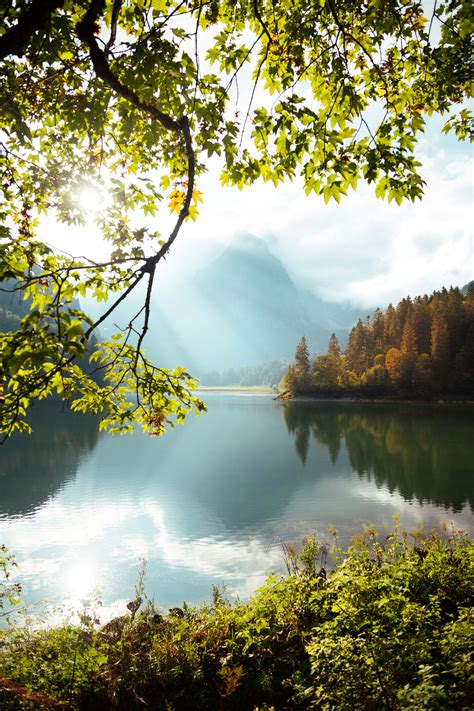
<point x="210" y="501"/>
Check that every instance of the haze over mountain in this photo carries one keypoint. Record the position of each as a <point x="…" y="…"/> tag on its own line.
<point x="242" y="309"/>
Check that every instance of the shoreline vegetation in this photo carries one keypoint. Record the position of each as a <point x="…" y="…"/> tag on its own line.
<point x="421" y="350"/>
<point x="366" y="400"/>
<point x="390" y="627"/>
<point x="257" y="389"/>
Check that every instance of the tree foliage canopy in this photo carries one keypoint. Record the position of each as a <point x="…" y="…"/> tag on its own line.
<point x="134" y="98"/>
<point x="422" y="349"/>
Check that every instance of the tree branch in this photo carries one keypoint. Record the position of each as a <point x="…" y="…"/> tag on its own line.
<point x="113" y="25"/>
<point x="260" y="19"/>
<point x="16" y="38"/>
<point x="86" y="29"/>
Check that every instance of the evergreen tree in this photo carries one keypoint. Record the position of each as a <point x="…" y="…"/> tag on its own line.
<point x="378" y="329"/>
<point x="289" y="383"/>
<point x="356" y="351"/>
<point x="392" y="329"/>
<point x="421" y="321"/>
<point x="392" y="364"/>
<point x="439" y="339"/>
<point x="440" y="350"/>
<point x="408" y="354"/>
<point x="334" y="347"/>
<point x="302" y="366"/>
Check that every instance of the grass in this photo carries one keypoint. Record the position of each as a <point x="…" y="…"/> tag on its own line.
<point x="389" y="628"/>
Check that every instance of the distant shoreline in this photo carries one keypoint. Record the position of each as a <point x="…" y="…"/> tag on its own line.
<point x="261" y="389"/>
<point x="266" y="390"/>
<point x="374" y="400"/>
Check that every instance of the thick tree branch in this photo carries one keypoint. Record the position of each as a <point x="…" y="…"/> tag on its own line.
<point x="86" y="30"/>
<point x="16" y="38"/>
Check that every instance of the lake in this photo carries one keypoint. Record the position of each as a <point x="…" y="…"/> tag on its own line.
<point x="211" y="501"/>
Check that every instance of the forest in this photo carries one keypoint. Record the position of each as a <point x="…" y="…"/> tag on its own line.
<point x="423" y="348"/>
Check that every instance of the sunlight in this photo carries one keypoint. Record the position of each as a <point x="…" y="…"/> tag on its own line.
<point x="80" y="580"/>
<point x="90" y="198"/>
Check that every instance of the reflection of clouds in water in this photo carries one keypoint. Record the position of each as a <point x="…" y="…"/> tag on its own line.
<point x="199" y="519"/>
<point x="210" y="554"/>
<point x="55" y="524"/>
<point x="74" y="532"/>
<point x="245" y="561"/>
<point x="352" y="502"/>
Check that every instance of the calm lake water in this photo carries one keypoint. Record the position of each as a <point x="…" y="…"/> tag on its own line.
<point x="208" y="502"/>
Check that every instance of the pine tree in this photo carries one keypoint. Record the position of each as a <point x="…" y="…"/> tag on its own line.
<point x="408" y="354"/>
<point x="378" y="328"/>
<point x="289" y="382"/>
<point x="356" y="351"/>
<point x="302" y="366"/>
<point x="439" y="338"/>
<point x="421" y="322"/>
<point x="392" y="329"/>
<point x="334" y="347"/>
<point x="392" y="363"/>
<point x="440" y="350"/>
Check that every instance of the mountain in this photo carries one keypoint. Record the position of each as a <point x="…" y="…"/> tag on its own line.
<point x="241" y="310"/>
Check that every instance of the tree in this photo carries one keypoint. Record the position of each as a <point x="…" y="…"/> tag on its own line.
<point x="326" y="373"/>
<point x="289" y="382"/>
<point x="392" y="363"/>
<point x="357" y="346"/>
<point x="392" y="328"/>
<point x="118" y="96"/>
<point x="334" y="347"/>
<point x="378" y="329"/>
<point x="302" y="366"/>
<point x="408" y="353"/>
<point x="440" y="348"/>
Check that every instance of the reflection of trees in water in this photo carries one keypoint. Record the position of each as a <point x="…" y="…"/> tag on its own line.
<point x="33" y="467"/>
<point x="424" y="453"/>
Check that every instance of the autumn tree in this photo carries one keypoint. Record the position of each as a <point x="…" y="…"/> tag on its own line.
<point x="392" y="328"/>
<point x="133" y="99"/>
<point x="302" y="365"/>
<point x="440" y="348"/>
<point x="421" y="320"/>
<point x="357" y="348"/>
<point x="408" y="354"/>
<point x="392" y="363"/>
<point x="327" y="369"/>
<point x="334" y="347"/>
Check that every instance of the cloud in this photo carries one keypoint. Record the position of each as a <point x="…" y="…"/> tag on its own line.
<point x="364" y="250"/>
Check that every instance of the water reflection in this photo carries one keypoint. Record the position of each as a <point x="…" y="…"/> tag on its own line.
<point x="422" y="452"/>
<point x="33" y="468"/>
<point x="207" y="502"/>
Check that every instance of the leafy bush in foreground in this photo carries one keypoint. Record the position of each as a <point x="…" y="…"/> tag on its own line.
<point x="390" y="628"/>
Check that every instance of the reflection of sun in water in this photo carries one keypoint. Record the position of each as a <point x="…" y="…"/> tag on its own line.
<point x="80" y="580"/>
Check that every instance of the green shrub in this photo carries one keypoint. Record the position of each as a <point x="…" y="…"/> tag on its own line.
<point x="389" y="628"/>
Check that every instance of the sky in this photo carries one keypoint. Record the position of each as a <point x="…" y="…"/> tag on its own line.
<point x="363" y="250"/>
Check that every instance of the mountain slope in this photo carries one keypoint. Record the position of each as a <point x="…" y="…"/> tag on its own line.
<point x="243" y="309"/>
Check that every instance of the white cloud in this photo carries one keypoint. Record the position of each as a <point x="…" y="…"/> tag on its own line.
<point x="364" y="250"/>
